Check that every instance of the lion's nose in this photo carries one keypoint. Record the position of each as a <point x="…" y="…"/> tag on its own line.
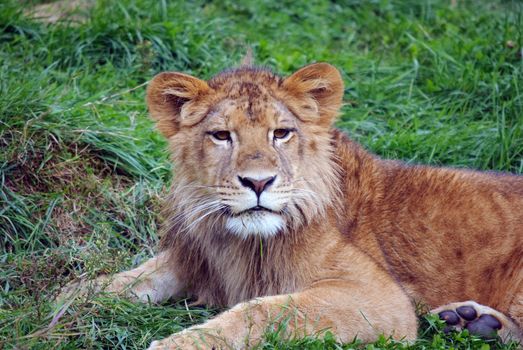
<point x="258" y="186"/>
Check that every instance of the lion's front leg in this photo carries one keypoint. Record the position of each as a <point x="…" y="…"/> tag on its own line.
<point x="347" y="309"/>
<point x="152" y="281"/>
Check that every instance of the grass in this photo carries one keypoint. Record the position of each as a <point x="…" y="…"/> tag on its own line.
<point x="82" y="172"/>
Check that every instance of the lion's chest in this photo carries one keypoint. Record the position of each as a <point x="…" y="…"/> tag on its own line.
<point x="225" y="272"/>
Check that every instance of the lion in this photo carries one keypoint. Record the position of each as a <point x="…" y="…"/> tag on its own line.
<point x="280" y="216"/>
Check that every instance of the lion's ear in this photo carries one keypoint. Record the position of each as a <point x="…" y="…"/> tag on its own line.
<point x="316" y="91"/>
<point x="175" y="100"/>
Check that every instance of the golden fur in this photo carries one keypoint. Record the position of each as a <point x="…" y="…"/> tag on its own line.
<point x="348" y="240"/>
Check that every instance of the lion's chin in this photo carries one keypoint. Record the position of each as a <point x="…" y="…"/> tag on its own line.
<point x="261" y="223"/>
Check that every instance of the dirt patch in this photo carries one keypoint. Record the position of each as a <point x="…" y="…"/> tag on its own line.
<point x="57" y="168"/>
<point x="72" y="173"/>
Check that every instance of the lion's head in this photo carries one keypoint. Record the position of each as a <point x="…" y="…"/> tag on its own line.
<point x="252" y="150"/>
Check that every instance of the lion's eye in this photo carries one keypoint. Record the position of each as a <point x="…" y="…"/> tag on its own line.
<point x="221" y="135"/>
<point x="281" y="133"/>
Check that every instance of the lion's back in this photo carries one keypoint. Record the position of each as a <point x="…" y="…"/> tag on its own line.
<point x="445" y="234"/>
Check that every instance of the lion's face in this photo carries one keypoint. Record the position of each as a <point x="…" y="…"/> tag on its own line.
<point x="252" y="150"/>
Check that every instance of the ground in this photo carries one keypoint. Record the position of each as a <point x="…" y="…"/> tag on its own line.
<point x="82" y="172"/>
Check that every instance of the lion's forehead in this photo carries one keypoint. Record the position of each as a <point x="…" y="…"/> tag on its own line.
<point x="245" y="112"/>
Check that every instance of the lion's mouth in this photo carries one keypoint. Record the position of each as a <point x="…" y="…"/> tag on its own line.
<point x="258" y="208"/>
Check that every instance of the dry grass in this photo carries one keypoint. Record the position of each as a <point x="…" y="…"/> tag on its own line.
<point x="75" y="11"/>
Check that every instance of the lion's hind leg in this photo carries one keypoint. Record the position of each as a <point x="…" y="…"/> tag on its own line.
<point x="480" y="320"/>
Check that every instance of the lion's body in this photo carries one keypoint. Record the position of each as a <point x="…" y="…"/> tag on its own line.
<point x="270" y="202"/>
<point x="444" y="234"/>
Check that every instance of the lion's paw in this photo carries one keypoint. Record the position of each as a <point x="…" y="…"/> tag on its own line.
<point x="158" y="345"/>
<point x="479" y="320"/>
<point x="184" y="340"/>
<point x="82" y="288"/>
<point x="166" y="345"/>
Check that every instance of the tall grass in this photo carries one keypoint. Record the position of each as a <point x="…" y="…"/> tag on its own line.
<point x="82" y="172"/>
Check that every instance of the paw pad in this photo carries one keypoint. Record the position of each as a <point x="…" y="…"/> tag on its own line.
<point x="485" y="326"/>
<point x="450" y="317"/>
<point x="467" y="312"/>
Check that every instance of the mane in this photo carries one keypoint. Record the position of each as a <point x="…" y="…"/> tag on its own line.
<point x="195" y="234"/>
<point x="200" y="247"/>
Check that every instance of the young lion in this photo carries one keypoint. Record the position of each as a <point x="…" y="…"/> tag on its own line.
<point x="276" y="213"/>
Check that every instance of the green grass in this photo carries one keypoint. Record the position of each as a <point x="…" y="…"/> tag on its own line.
<point x="82" y="172"/>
